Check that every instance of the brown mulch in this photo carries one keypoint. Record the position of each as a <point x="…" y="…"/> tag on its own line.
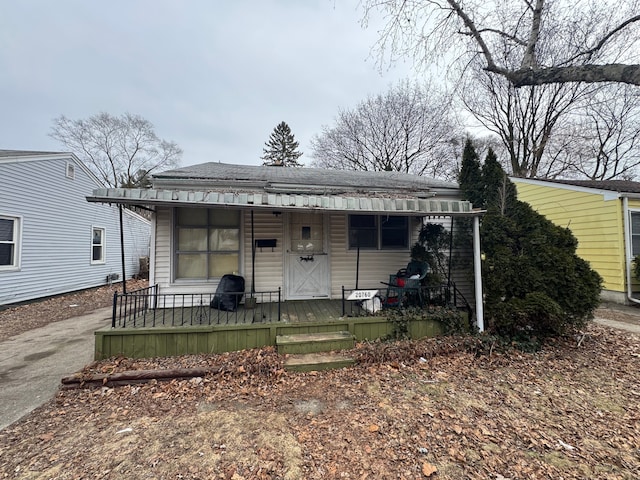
<point x="22" y="318"/>
<point x="441" y="408"/>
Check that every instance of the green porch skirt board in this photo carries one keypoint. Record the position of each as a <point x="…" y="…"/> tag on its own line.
<point x="171" y="341"/>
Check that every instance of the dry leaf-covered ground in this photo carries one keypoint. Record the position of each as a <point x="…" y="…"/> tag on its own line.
<point x="432" y="408"/>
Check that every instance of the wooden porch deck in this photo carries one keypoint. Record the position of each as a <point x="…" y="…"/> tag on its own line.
<point x="201" y="329"/>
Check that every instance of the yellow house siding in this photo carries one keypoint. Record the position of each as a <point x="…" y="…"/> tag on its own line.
<point x="596" y="223"/>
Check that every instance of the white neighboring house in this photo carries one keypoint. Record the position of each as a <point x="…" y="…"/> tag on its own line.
<point x="52" y="240"/>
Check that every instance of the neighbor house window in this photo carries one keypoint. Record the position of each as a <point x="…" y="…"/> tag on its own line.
<point x="9" y="242"/>
<point x="378" y="232"/>
<point x="635" y="233"/>
<point x="207" y="243"/>
<point x="97" y="245"/>
<point x="71" y="170"/>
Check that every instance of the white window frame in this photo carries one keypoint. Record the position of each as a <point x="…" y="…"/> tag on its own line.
<point x="103" y="245"/>
<point x="175" y="252"/>
<point x="16" y="241"/>
<point x="70" y="170"/>
<point x="632" y="234"/>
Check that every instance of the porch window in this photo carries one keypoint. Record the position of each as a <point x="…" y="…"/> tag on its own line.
<point x="97" y="245"/>
<point x="207" y="243"/>
<point x="635" y="233"/>
<point x="378" y="232"/>
<point x="9" y="242"/>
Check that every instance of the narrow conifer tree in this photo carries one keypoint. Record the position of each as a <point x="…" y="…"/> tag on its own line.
<point x="281" y="150"/>
<point x="535" y="285"/>
<point x="470" y="177"/>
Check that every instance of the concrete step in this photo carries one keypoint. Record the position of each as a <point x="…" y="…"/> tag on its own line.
<point x="310" y="362"/>
<point x="314" y="342"/>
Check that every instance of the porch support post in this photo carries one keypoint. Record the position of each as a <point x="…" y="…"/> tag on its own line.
<point x="477" y="271"/>
<point x="122" y="257"/>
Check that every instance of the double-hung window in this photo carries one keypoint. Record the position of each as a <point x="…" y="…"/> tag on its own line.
<point x="635" y="233"/>
<point x="9" y="242"/>
<point x="379" y="232"/>
<point x="97" y="245"/>
<point x="207" y="243"/>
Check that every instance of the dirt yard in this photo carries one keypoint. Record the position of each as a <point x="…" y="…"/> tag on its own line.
<point x="433" y="408"/>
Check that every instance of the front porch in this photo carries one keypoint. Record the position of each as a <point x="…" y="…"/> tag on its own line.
<point x="147" y="324"/>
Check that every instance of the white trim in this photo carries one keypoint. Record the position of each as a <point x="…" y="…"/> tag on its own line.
<point x="152" y="250"/>
<point x="607" y="194"/>
<point x="173" y="242"/>
<point x="17" y="242"/>
<point x="53" y="156"/>
<point x="626" y="213"/>
<point x="401" y="204"/>
<point x="70" y="170"/>
<point x="477" y="271"/>
<point x="103" y="245"/>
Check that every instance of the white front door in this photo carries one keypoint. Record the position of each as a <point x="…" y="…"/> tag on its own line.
<point x="307" y="259"/>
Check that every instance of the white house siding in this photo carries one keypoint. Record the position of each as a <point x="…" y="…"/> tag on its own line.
<point x="161" y="267"/>
<point x="57" y="223"/>
<point x="269" y="262"/>
<point x="375" y="265"/>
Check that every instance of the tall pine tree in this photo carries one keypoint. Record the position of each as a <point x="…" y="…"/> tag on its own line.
<point x="281" y="150"/>
<point x="470" y="177"/>
<point x="534" y="283"/>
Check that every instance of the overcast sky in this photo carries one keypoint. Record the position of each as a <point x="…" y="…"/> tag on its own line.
<point x="214" y="76"/>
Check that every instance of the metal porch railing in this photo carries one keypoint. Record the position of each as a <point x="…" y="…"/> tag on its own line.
<point x="148" y="308"/>
<point x="444" y="295"/>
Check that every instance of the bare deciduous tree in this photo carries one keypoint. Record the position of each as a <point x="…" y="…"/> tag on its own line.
<point x="600" y="37"/>
<point x="408" y="129"/>
<point x="533" y="122"/>
<point x="120" y="151"/>
<point x="606" y="137"/>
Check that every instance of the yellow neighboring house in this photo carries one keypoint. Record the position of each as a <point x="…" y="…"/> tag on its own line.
<point x="605" y="218"/>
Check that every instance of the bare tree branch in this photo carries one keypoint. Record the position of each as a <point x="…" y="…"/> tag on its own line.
<point x="601" y="32"/>
<point x="120" y="151"/>
<point x="407" y="130"/>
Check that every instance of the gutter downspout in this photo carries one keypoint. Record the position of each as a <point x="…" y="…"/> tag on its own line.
<point x="627" y="249"/>
<point x="477" y="272"/>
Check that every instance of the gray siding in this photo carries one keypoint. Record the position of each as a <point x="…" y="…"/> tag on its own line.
<point x="56" y="230"/>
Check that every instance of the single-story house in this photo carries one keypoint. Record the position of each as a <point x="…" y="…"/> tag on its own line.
<point x="51" y="240"/>
<point x="604" y="216"/>
<point x="304" y="233"/>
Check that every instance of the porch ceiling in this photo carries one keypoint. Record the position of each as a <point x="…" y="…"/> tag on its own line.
<point x="375" y="203"/>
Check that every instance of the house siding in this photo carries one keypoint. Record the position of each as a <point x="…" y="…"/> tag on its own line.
<point x="269" y="261"/>
<point x="57" y="220"/>
<point x="596" y="223"/>
<point x="375" y="265"/>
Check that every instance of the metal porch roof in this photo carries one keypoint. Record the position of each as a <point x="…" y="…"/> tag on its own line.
<point x="391" y="204"/>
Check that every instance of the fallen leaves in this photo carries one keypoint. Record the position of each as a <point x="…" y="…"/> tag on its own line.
<point x="428" y="469"/>
<point x="451" y="415"/>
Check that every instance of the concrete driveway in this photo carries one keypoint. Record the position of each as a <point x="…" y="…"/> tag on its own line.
<point x="32" y="364"/>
